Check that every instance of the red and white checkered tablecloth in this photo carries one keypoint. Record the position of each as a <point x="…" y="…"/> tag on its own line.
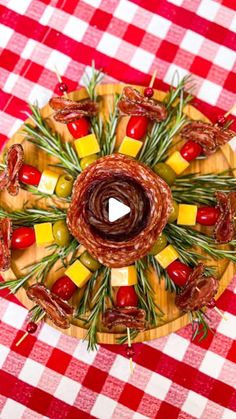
<point x="51" y="375"/>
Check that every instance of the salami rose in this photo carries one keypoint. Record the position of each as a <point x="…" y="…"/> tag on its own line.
<point x="210" y="137"/>
<point x="134" y="103"/>
<point x="69" y="111"/>
<point x="118" y="243"/>
<point x="9" y="176"/>
<point x="198" y="291"/>
<point x="225" y="224"/>
<point x="132" y="317"/>
<point x="57" y="309"/>
<point x="5" y="243"/>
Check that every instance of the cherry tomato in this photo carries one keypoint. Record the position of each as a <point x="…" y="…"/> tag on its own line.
<point x="29" y="175"/>
<point x="178" y="272"/>
<point x="137" y="127"/>
<point x="22" y="238"/>
<point x="79" y="128"/>
<point x="64" y="287"/>
<point x="126" y="296"/>
<point x="207" y="216"/>
<point x="191" y="150"/>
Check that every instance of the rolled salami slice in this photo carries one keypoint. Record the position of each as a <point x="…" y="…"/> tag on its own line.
<point x="69" y="111"/>
<point x="118" y="243"/>
<point x="132" y="317"/>
<point x="9" y="176"/>
<point x="210" y="137"/>
<point x="58" y="310"/>
<point x="5" y="243"/>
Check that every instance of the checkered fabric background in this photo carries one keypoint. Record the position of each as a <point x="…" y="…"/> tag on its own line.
<point x="51" y="375"/>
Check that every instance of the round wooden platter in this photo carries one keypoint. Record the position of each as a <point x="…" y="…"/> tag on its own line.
<point x="173" y="319"/>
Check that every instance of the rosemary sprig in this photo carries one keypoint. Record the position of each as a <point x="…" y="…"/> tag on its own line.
<point x="30" y="216"/>
<point x="200" y="325"/>
<point x="41" y="135"/>
<point x="41" y="269"/>
<point x="91" y="81"/>
<point x="83" y="306"/>
<point x="35" y="313"/>
<point x="109" y="136"/>
<point x="160" y="138"/>
<point x="99" y="301"/>
<point x="200" y="189"/>
<point x="34" y="190"/>
<point x="187" y="238"/>
<point x="146" y="294"/>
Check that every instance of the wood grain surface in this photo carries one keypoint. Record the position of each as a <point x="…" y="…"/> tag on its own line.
<point x="173" y="319"/>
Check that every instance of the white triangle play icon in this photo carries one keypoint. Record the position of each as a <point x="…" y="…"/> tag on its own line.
<point x="116" y="210"/>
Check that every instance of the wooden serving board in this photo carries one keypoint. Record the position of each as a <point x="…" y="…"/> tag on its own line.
<point x="174" y="320"/>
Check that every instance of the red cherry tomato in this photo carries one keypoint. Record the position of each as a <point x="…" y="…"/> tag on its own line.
<point x="137" y="127"/>
<point x="207" y="216"/>
<point x="178" y="272"/>
<point x="64" y="287"/>
<point x="29" y="175"/>
<point x="191" y="150"/>
<point x="126" y="296"/>
<point x="79" y="128"/>
<point x="22" y="238"/>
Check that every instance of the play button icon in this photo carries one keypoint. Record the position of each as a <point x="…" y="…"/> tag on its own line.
<point x="116" y="210"/>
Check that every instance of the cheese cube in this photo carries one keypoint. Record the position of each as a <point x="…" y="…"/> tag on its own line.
<point x="85" y="146"/>
<point x="43" y="234"/>
<point x="121" y="277"/>
<point x="177" y="162"/>
<point x="187" y="215"/>
<point x="167" y="256"/>
<point x="48" y="182"/>
<point x="130" y="147"/>
<point x="78" y="273"/>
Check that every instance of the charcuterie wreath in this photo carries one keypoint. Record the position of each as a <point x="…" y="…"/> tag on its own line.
<point x="138" y="276"/>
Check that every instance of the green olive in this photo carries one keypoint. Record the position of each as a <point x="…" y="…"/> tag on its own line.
<point x="86" y="161"/>
<point x="61" y="233"/>
<point x="159" y="245"/>
<point x="174" y="213"/>
<point x="64" y="186"/>
<point x="88" y="261"/>
<point x="165" y="172"/>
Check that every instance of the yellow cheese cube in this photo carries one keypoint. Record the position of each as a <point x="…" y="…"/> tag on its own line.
<point x="124" y="276"/>
<point x="130" y="147"/>
<point x="43" y="234"/>
<point x="167" y="256"/>
<point x="78" y="273"/>
<point x="177" y="162"/>
<point x="85" y="146"/>
<point x="48" y="182"/>
<point x="187" y="215"/>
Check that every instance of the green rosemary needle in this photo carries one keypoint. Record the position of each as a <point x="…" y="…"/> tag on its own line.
<point x="30" y="216"/>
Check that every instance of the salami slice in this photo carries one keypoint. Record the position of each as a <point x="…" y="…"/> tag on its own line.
<point x="198" y="291"/>
<point x="122" y="242"/>
<point x="132" y="317"/>
<point x="69" y="111"/>
<point x="9" y="177"/>
<point x="210" y="137"/>
<point x="225" y="225"/>
<point x="134" y="103"/>
<point x="58" y="310"/>
<point x="5" y="243"/>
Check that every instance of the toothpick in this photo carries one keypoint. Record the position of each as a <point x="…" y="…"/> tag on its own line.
<point x="59" y="79"/>
<point x="153" y="79"/>
<point x="220" y="313"/>
<point x="129" y="345"/>
<point x="26" y="333"/>
<point x="231" y="110"/>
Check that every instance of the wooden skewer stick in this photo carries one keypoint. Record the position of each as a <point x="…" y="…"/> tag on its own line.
<point x="231" y="110"/>
<point x="59" y="79"/>
<point x="216" y="309"/>
<point x="129" y="345"/>
<point x="26" y="333"/>
<point x="153" y="78"/>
